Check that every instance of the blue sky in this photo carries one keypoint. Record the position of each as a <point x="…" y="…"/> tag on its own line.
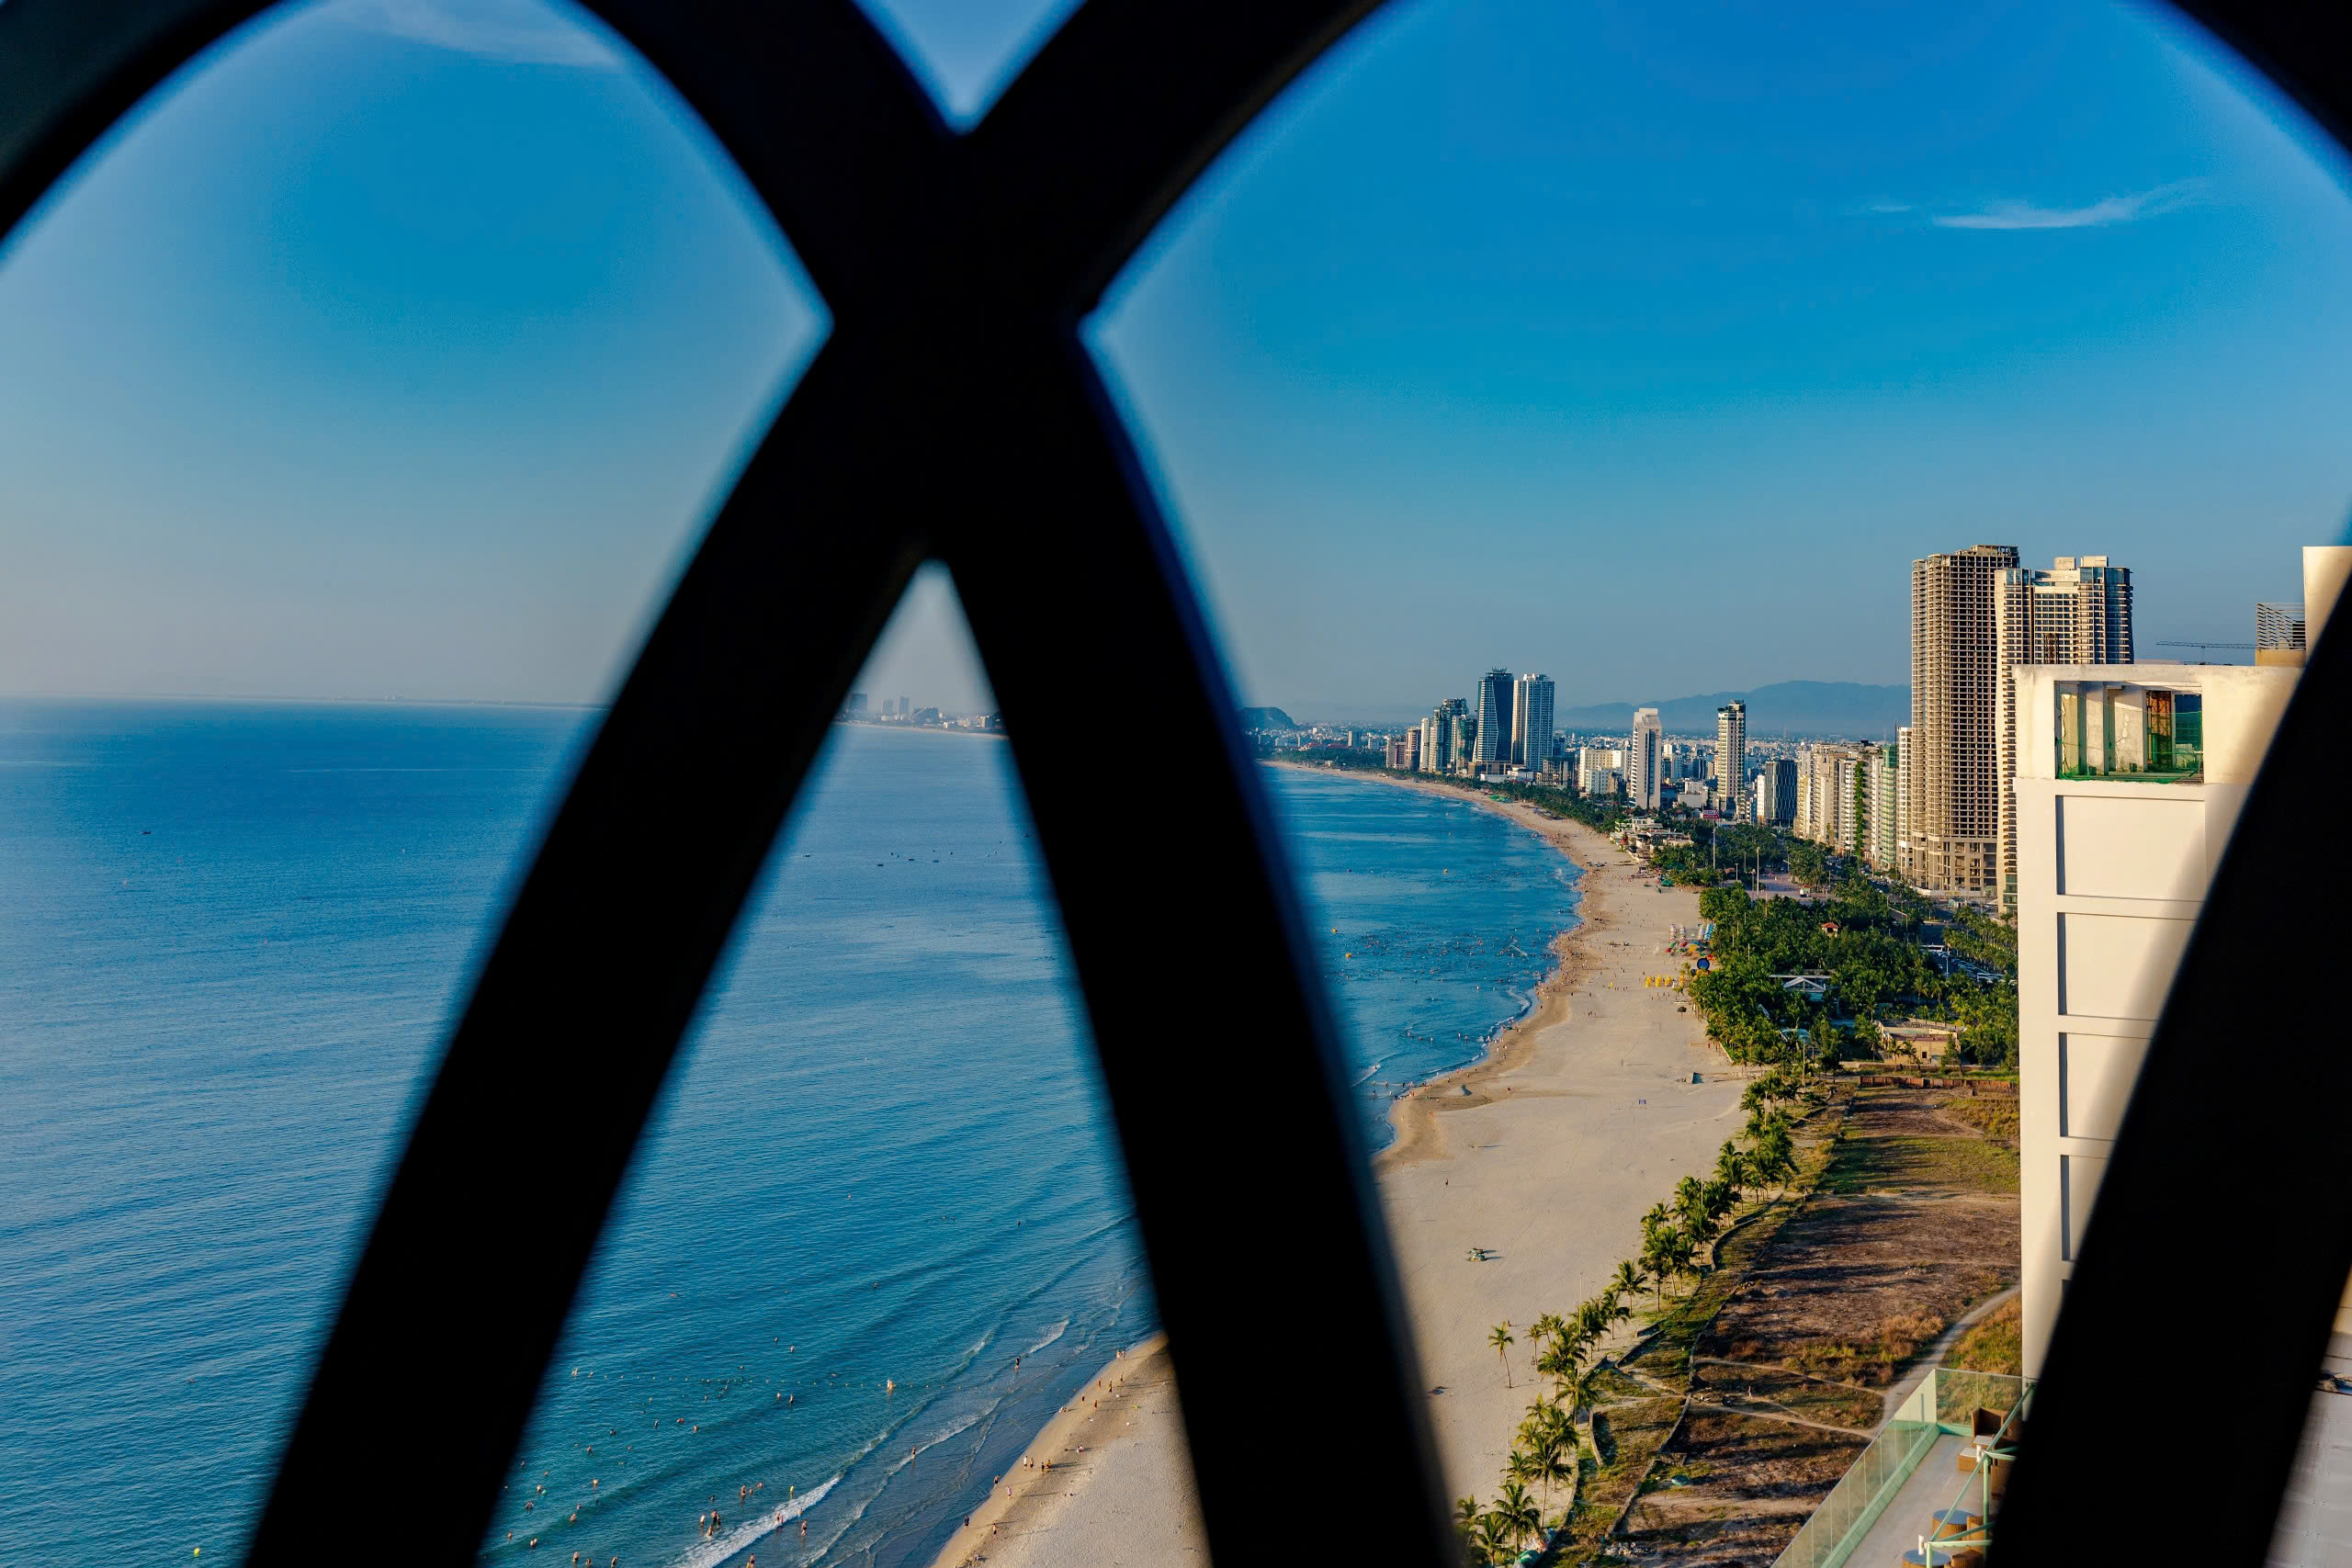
<point x="405" y="345"/>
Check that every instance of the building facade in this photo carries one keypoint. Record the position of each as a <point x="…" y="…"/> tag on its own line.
<point x="1491" y="706"/>
<point x="2128" y="785"/>
<point x="1776" y="792"/>
<point x="2126" y="793"/>
<point x="1955" y="718"/>
<point x="1880" y="833"/>
<point x="1903" y="804"/>
<point x="1644" y="752"/>
<point x="1531" y="721"/>
<point x="2080" y="611"/>
<point x="1731" y="759"/>
<point x="1833" y="795"/>
<point x="1593" y="761"/>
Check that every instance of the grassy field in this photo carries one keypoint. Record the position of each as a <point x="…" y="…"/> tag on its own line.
<point x="1996" y="1344"/>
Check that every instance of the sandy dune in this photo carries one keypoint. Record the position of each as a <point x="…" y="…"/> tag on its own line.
<point x="1582" y="1117"/>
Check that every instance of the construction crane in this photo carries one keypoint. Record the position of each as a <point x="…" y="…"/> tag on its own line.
<point x="2241" y="646"/>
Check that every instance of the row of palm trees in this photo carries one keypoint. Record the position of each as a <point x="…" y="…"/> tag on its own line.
<point x="1675" y="1238"/>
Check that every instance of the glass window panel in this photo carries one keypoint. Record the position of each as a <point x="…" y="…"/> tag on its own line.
<point x="359" y="399"/>
<point x="879" y="1240"/>
<point x="965" y="52"/>
<point x="1692" y="384"/>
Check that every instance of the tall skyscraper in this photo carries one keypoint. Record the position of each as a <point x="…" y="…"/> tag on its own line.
<point x="2080" y="611"/>
<point x="1491" y="706"/>
<point x="1776" y="792"/>
<point x="1642" y="755"/>
<point x="1442" y="745"/>
<point x="1731" y="759"/>
<point x="1955" y="716"/>
<point x="1903" y="801"/>
<point x="1531" y="721"/>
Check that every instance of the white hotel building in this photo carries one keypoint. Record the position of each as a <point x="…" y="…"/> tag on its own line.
<point x="2128" y="779"/>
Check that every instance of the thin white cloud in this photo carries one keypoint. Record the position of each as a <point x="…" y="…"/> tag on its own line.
<point x="523" y="33"/>
<point x="2114" y="209"/>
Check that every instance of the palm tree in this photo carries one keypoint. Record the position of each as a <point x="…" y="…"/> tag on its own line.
<point x="1546" y="1326"/>
<point x="1629" y="1281"/>
<point x="1578" y="1392"/>
<point x="1592" y="1320"/>
<point x="1519" y="1511"/>
<point x="1495" y="1536"/>
<point x="1731" y="1168"/>
<point x="1556" y="1460"/>
<point x="1775" y="1153"/>
<point x="1689" y="1200"/>
<point x="1499" y="1338"/>
<point x="1558" y="1363"/>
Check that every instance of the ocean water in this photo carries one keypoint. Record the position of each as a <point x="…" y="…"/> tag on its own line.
<point x="232" y="936"/>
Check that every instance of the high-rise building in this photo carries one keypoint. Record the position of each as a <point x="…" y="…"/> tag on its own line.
<point x="1776" y="792"/>
<point x="1833" y="795"/>
<point x="1591" y="761"/>
<point x="1442" y="737"/>
<point x="1955" y="716"/>
<point x="1531" y="720"/>
<point x="1490" y="712"/>
<point x="1731" y="758"/>
<point x="1642" y="755"/>
<point x="1880" y="824"/>
<point x="1903" y="801"/>
<point x="2080" y="611"/>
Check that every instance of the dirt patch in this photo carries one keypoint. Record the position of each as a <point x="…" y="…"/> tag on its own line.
<point x="1910" y="1220"/>
<point x="1775" y="1392"/>
<point x="1736" y="1488"/>
<point x="1854" y="1287"/>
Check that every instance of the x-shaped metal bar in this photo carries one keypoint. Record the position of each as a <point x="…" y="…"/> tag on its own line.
<point x="951" y="412"/>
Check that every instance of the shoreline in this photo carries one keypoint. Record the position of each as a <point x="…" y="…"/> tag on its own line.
<point x="1118" y="1466"/>
<point x="1412" y="1116"/>
<point x="1065" y="1455"/>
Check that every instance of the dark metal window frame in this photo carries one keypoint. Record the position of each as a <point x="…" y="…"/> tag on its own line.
<point x="953" y="414"/>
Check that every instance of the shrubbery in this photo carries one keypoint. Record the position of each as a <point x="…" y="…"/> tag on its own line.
<point x="1875" y="964"/>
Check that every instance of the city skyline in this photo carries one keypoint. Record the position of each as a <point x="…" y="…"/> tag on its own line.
<point x="1770" y="331"/>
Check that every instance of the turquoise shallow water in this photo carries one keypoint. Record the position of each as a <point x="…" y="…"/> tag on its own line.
<point x="232" y="935"/>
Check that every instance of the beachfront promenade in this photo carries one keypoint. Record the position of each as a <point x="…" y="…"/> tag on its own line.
<point x="1583" y="1117"/>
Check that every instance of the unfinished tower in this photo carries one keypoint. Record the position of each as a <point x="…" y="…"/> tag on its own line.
<point x="1955" y="718"/>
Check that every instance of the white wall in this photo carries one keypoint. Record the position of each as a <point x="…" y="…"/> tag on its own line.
<point x="2112" y="876"/>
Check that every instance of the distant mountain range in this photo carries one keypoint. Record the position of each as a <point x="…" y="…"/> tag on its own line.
<point x="1266" y="718"/>
<point x="1785" y="708"/>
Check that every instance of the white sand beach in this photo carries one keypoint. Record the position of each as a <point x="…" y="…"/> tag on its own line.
<point x="1581" y="1117"/>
